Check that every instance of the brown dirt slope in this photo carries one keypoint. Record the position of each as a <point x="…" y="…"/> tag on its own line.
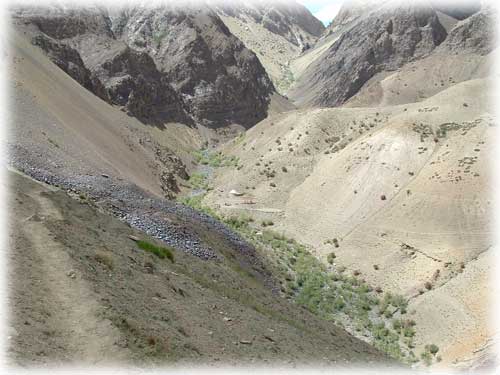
<point x="61" y="126"/>
<point x="82" y="291"/>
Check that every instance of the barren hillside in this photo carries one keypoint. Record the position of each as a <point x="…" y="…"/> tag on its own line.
<point x="392" y="54"/>
<point x="111" y="302"/>
<point x="277" y="31"/>
<point x="405" y="190"/>
<point x="168" y="203"/>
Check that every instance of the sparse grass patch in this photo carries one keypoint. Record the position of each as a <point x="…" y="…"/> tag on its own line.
<point x="267" y="223"/>
<point x="196" y="203"/>
<point x="104" y="259"/>
<point x="215" y="159"/>
<point x="159" y="251"/>
<point x="198" y="180"/>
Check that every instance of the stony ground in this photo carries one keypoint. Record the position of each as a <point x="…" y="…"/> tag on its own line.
<point x="81" y="291"/>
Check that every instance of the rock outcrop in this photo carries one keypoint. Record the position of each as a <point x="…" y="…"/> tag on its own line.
<point x="80" y="41"/>
<point x="159" y="64"/>
<point x="383" y="40"/>
<point x="474" y="34"/>
<point x="277" y="31"/>
<point x="288" y="19"/>
<point x="69" y="60"/>
<point x="220" y="81"/>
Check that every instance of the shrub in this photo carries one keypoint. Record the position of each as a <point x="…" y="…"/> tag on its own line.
<point x="428" y="285"/>
<point x="397" y="325"/>
<point x="236" y="222"/>
<point x="267" y="223"/>
<point x="160" y="252"/>
<point x="409" y="332"/>
<point x="432" y="348"/>
<point x="104" y="259"/>
<point x="426" y="357"/>
<point x="330" y="257"/>
<point x="338" y="303"/>
<point x="284" y="169"/>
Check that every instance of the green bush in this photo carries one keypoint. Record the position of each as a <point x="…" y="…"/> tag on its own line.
<point x="238" y="223"/>
<point x="426" y="357"/>
<point x="432" y="348"/>
<point x="160" y="252"/>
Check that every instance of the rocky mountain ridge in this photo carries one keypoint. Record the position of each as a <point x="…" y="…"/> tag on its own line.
<point x="159" y="64"/>
<point x="277" y="31"/>
<point x="369" y="43"/>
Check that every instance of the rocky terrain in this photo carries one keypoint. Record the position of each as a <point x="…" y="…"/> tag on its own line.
<point x="401" y="173"/>
<point x="377" y="56"/>
<point x="158" y="175"/>
<point x="277" y="31"/>
<point x="181" y="65"/>
<point x="134" y="308"/>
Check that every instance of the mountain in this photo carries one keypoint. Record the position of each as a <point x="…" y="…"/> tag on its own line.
<point x="398" y="172"/>
<point x="277" y="31"/>
<point x="465" y="54"/>
<point x="375" y="56"/>
<point x="218" y="78"/>
<point x="158" y="64"/>
<point x="159" y="178"/>
<point x="86" y="183"/>
<point x="386" y="40"/>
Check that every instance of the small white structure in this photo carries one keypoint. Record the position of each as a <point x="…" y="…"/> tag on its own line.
<point x="236" y="193"/>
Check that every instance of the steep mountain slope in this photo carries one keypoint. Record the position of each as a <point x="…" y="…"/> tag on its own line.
<point x="168" y="63"/>
<point x="277" y="31"/>
<point x="110" y="302"/>
<point x="63" y="128"/>
<point x="380" y="56"/>
<point x="350" y="12"/>
<point x="81" y="289"/>
<point x="406" y="191"/>
<point x="385" y="40"/>
<point x="467" y="53"/>
<point x="219" y="79"/>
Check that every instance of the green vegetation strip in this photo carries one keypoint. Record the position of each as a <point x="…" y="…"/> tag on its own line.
<point x="160" y="252"/>
<point x="327" y="290"/>
<point x="215" y="159"/>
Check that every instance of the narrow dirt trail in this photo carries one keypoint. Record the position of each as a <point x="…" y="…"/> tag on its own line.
<point x="77" y="331"/>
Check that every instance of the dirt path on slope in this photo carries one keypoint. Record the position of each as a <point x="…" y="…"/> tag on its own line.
<point x="59" y="314"/>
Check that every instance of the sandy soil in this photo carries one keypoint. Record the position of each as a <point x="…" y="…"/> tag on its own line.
<point x="396" y="192"/>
